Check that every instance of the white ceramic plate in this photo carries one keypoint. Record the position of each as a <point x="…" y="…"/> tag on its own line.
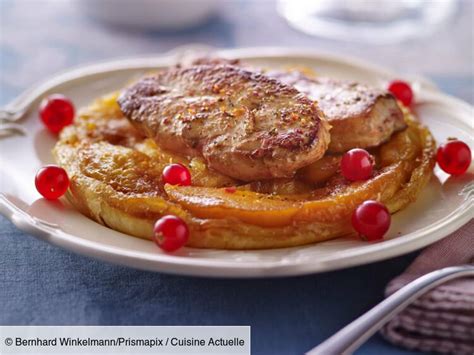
<point x="444" y="206"/>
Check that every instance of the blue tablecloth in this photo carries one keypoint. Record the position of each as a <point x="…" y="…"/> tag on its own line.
<point x="42" y="284"/>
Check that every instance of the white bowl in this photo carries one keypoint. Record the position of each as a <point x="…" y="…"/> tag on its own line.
<point x="150" y="14"/>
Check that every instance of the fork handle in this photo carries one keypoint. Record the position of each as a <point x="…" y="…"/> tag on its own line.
<point x="349" y="338"/>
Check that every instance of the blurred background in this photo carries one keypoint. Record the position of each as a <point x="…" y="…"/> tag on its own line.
<point x="422" y="37"/>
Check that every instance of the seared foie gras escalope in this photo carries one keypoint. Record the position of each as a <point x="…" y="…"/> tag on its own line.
<point x="244" y="124"/>
<point x="360" y="116"/>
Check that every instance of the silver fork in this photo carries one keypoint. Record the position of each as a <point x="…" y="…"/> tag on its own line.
<point x="8" y="122"/>
<point x="352" y="336"/>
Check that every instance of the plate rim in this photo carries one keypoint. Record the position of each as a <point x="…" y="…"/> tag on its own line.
<point x="174" y="264"/>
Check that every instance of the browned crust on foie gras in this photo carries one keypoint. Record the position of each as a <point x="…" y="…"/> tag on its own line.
<point x="244" y="124"/>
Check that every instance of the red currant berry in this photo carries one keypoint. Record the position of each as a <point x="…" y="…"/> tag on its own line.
<point x="176" y="174"/>
<point x="357" y="164"/>
<point x="371" y="220"/>
<point x="454" y="157"/>
<point x="56" y="112"/>
<point x="402" y="91"/>
<point x="170" y="233"/>
<point x="51" y="182"/>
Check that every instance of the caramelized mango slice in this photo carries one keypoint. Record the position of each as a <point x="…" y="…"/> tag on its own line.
<point x="321" y="170"/>
<point x="276" y="210"/>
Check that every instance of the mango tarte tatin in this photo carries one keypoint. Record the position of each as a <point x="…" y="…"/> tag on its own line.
<point x="115" y="167"/>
